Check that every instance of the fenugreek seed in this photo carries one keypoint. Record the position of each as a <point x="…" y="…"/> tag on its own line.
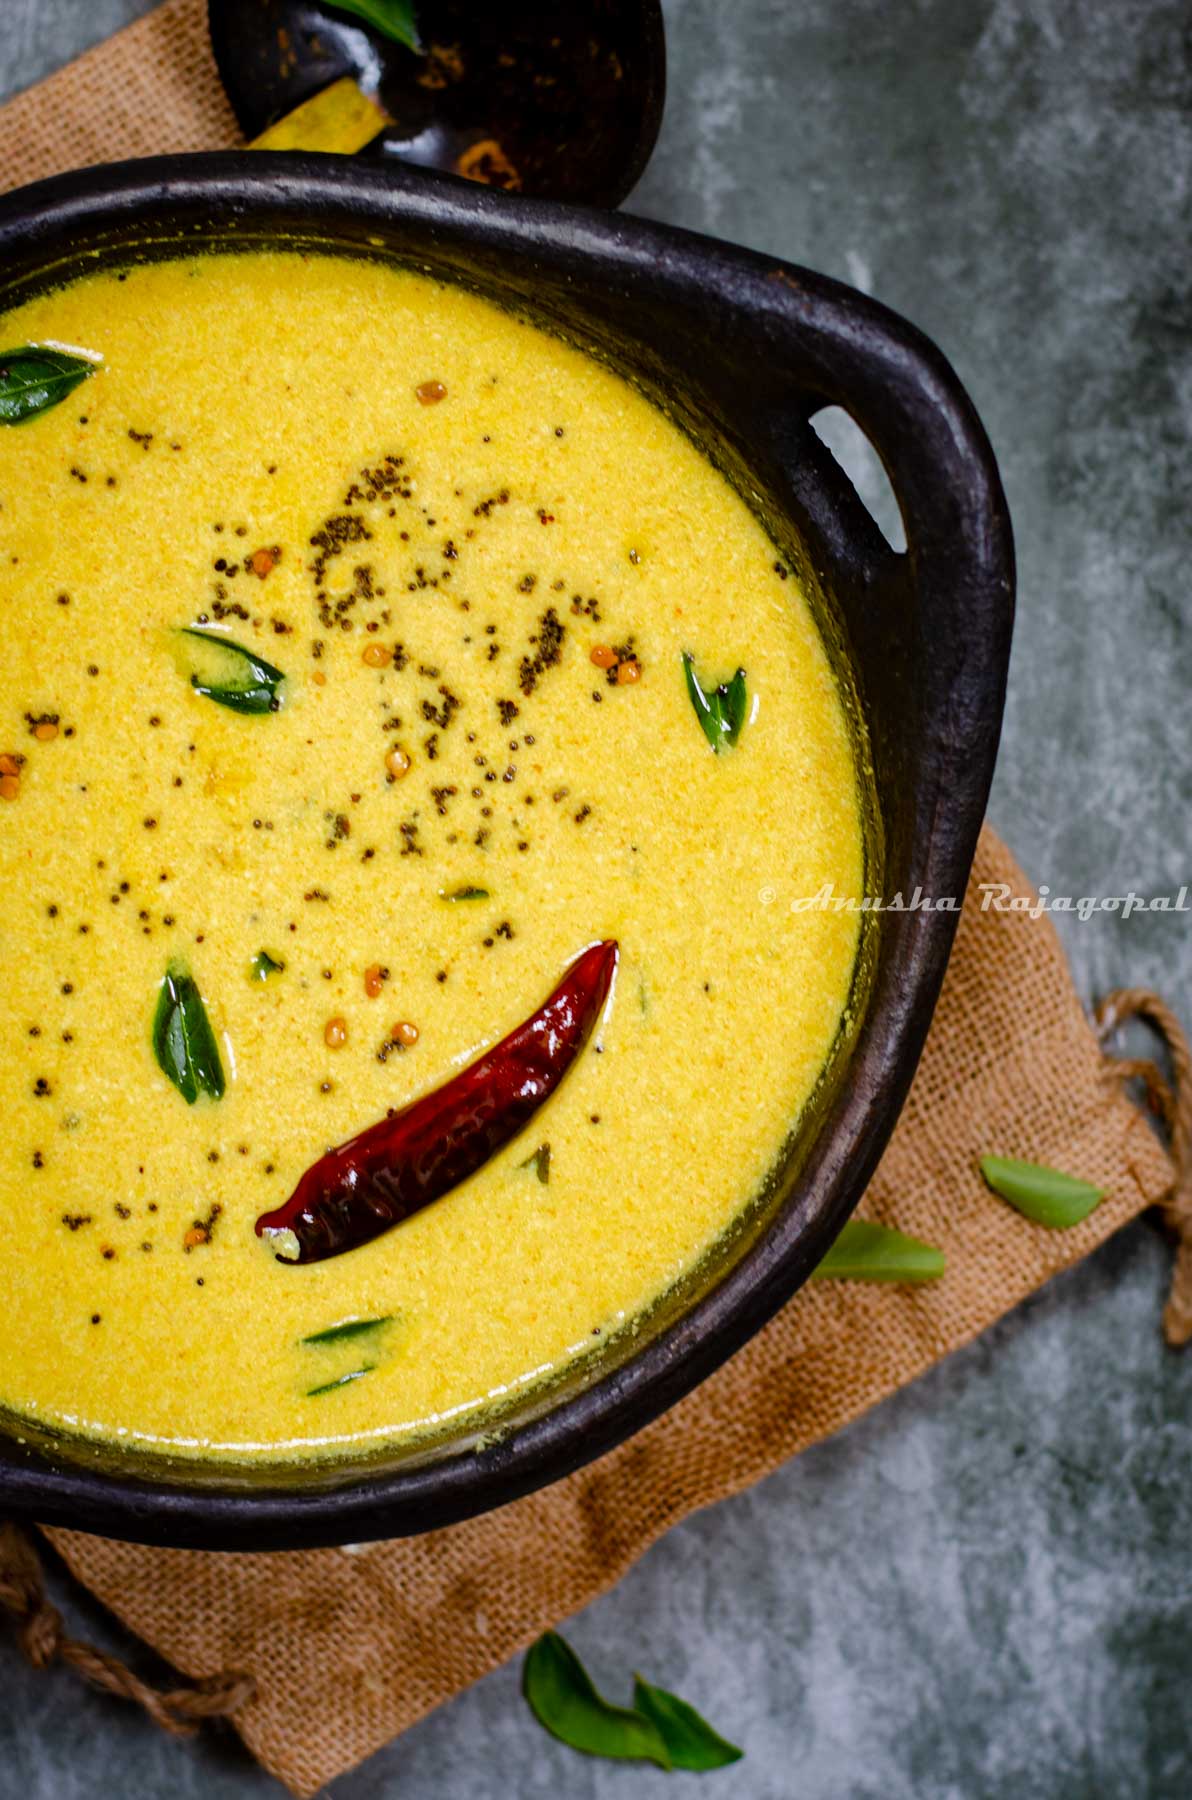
<point x="603" y="656"/>
<point x="319" y="679"/>
<point x="405" y="1033"/>
<point x="397" y="763"/>
<point x="10" y="787"/>
<point x="377" y="656"/>
<point x="628" y="672"/>
<point x="431" y="392"/>
<point x="45" y="731"/>
<point x="9" y="765"/>
<point x="335" y="1033"/>
<point x="262" y="562"/>
<point x="374" y="980"/>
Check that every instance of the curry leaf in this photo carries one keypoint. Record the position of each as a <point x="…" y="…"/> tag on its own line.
<point x="327" y="1387"/>
<point x="689" y="1739"/>
<point x="36" y="377"/>
<point x="229" y="673"/>
<point x="1045" y="1195"/>
<point x="350" y="1328"/>
<point x="396" y="19"/>
<point x="735" y="703"/>
<point x="539" y="1161"/>
<point x="868" y="1252"/>
<point x="263" y="966"/>
<point x="721" y="710"/>
<point x="561" y="1696"/>
<point x="183" y="1041"/>
<point x="466" y="893"/>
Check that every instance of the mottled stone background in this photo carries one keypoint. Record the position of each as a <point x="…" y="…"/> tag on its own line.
<point x="985" y="1588"/>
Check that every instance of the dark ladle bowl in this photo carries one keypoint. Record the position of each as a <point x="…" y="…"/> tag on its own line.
<point x="742" y="351"/>
<point x="572" y="96"/>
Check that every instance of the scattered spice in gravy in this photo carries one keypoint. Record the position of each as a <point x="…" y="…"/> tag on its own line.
<point x="443" y="741"/>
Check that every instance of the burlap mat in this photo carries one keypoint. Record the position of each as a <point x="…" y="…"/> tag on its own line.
<point x="343" y="1651"/>
<point x="149" y="91"/>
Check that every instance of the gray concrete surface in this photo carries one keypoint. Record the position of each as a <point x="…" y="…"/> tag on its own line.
<point x="984" y="1588"/>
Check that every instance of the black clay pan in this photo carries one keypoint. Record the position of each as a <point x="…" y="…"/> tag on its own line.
<point x="567" y="98"/>
<point x="743" y="350"/>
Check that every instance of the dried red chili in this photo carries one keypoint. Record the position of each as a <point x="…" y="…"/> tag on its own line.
<point x="396" y="1167"/>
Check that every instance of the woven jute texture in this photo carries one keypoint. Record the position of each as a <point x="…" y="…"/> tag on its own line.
<point x="150" y="90"/>
<point x="348" y="1649"/>
<point x="343" y="1651"/>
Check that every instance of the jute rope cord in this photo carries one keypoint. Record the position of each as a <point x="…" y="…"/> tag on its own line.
<point x="39" y="1627"/>
<point x="1172" y="1101"/>
<point x="44" y="1640"/>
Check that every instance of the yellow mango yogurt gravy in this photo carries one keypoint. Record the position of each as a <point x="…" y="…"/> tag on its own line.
<point x="428" y="514"/>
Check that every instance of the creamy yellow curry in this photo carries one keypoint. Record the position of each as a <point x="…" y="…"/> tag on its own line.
<point x="343" y="704"/>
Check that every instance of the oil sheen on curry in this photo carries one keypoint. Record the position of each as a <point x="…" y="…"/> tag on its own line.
<point x="410" y="746"/>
